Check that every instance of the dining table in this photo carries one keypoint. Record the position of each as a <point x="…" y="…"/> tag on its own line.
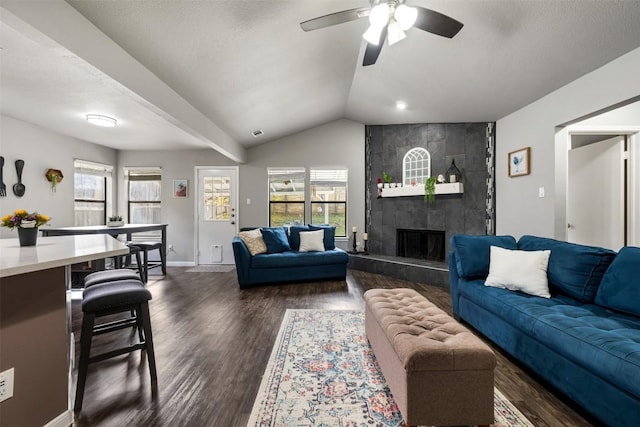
<point x="127" y="229"/>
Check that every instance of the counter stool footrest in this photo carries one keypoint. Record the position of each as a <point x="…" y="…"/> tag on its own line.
<point x="114" y="326"/>
<point x="118" y="352"/>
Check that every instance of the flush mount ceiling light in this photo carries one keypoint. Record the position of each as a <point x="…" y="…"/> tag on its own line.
<point x="99" y="120"/>
<point x="401" y="105"/>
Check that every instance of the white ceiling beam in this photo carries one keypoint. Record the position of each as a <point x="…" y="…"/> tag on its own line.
<point x="56" y="22"/>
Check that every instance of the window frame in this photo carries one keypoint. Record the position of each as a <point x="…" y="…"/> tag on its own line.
<point x="153" y="173"/>
<point x="335" y="202"/>
<point x="303" y="202"/>
<point x="85" y="167"/>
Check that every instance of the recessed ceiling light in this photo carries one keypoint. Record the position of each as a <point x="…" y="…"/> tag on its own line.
<point x="401" y="105"/>
<point x="257" y="133"/>
<point x="99" y="120"/>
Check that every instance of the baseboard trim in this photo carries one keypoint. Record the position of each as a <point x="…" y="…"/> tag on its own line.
<point x="181" y="264"/>
<point x="65" y="419"/>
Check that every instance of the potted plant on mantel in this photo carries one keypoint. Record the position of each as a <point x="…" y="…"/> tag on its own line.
<point x="430" y="189"/>
<point x="387" y="179"/>
<point x="115" y="221"/>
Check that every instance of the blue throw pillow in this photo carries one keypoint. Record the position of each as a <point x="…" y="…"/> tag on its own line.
<point x="620" y="286"/>
<point x="294" y="236"/>
<point x="329" y="235"/>
<point x="473" y="253"/>
<point x="575" y="270"/>
<point x="276" y="239"/>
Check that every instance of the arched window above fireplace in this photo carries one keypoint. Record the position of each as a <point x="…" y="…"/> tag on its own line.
<point x="416" y="167"/>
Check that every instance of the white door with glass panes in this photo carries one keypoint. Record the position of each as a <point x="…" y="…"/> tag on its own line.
<point x="217" y="214"/>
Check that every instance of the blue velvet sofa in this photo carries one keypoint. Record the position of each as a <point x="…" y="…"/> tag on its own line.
<point x="584" y="340"/>
<point x="288" y="264"/>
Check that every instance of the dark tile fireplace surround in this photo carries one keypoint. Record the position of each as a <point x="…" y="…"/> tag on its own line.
<point x="472" y="147"/>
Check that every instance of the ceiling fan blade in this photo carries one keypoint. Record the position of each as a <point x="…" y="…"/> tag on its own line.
<point x="436" y="23"/>
<point x="335" y="18"/>
<point x="372" y="51"/>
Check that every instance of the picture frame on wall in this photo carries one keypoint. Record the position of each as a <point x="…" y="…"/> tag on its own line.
<point x="519" y="162"/>
<point x="180" y="188"/>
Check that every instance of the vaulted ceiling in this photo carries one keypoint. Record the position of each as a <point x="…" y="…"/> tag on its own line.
<point x="184" y="74"/>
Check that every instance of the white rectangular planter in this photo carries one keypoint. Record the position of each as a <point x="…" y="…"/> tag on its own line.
<point x="418" y="190"/>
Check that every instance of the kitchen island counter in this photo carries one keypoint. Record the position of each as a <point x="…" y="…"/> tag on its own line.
<point x="35" y="324"/>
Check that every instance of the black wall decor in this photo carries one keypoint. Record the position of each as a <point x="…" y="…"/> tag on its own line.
<point x="471" y="145"/>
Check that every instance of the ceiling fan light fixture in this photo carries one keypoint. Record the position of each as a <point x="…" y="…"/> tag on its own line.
<point x="395" y="33"/>
<point x="379" y="16"/>
<point x="100" y="120"/>
<point x="405" y="16"/>
<point x="372" y="35"/>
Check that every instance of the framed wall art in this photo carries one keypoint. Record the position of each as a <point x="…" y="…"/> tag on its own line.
<point x="180" y="188"/>
<point x="520" y="162"/>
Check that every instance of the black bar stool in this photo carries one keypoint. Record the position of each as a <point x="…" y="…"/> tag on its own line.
<point x="146" y="247"/>
<point x="110" y="276"/>
<point x="109" y="298"/>
<point x="124" y="261"/>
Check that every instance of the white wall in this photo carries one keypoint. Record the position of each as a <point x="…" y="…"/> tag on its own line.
<point x="42" y="149"/>
<point x="519" y="210"/>
<point x="339" y="143"/>
<point x="622" y="116"/>
<point x="178" y="213"/>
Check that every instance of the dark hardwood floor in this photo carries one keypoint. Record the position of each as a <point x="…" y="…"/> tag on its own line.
<point x="212" y="343"/>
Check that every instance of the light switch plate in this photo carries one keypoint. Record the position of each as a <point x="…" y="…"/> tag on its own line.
<point x="6" y="384"/>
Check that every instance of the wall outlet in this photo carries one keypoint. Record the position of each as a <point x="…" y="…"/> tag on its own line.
<point x="6" y="384"/>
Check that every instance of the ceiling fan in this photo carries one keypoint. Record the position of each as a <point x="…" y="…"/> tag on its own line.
<point x="388" y="19"/>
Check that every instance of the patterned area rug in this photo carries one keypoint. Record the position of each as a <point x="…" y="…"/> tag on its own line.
<point x="224" y="268"/>
<point x="322" y="372"/>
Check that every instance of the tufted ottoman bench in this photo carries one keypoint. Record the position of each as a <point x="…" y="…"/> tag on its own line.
<point x="439" y="372"/>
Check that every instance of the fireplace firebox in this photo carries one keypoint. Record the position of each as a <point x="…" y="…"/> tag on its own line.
<point x="420" y="244"/>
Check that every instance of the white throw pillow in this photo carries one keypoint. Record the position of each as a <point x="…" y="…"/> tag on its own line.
<point x="312" y="241"/>
<point x="524" y="271"/>
<point x="254" y="241"/>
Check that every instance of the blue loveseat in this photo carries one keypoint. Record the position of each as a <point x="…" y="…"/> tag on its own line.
<point x="286" y="263"/>
<point x="584" y="340"/>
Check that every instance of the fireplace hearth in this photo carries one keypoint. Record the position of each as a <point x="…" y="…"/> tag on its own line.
<point x="420" y="244"/>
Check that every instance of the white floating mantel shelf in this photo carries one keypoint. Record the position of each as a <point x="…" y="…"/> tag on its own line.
<point x="418" y="190"/>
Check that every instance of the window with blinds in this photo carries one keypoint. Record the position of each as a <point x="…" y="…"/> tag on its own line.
<point x="92" y="199"/>
<point x="328" y="191"/>
<point x="144" y="189"/>
<point x="286" y="196"/>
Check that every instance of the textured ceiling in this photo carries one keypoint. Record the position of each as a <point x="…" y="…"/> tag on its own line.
<point x="246" y="65"/>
